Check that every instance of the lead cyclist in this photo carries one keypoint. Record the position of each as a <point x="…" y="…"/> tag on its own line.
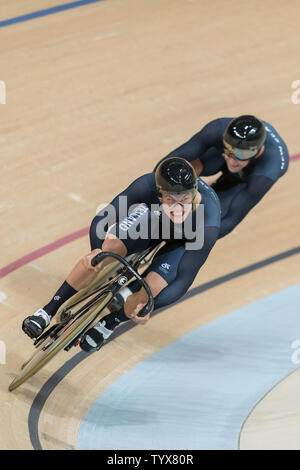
<point x="170" y="205"/>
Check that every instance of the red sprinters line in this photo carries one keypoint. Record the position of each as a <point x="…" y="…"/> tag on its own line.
<point x="57" y="244"/>
<point x="42" y="251"/>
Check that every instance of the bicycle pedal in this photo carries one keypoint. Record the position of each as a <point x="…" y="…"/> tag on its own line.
<point x="29" y="333"/>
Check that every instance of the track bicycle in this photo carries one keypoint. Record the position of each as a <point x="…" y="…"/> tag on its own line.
<point x="84" y="308"/>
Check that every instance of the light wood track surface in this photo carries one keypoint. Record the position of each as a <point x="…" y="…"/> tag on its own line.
<point x="95" y="96"/>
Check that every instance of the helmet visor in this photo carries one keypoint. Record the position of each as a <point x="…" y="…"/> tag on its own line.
<point x="239" y="154"/>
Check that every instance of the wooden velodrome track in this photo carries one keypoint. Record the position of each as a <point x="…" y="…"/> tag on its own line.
<point x="94" y="97"/>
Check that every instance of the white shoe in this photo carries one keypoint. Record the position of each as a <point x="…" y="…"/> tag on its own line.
<point x="95" y="337"/>
<point x="36" y="323"/>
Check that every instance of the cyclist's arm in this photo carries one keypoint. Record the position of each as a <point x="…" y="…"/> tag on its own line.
<point x="244" y="201"/>
<point x="188" y="268"/>
<point x="197" y="145"/>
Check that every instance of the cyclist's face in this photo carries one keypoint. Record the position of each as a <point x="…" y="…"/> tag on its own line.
<point x="237" y="159"/>
<point x="233" y="164"/>
<point x="177" y="205"/>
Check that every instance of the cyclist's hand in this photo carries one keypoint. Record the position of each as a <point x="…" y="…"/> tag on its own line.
<point x="139" y="320"/>
<point x="88" y="258"/>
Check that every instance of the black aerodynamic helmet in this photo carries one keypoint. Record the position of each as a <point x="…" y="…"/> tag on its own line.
<point x="175" y="175"/>
<point x="244" y="136"/>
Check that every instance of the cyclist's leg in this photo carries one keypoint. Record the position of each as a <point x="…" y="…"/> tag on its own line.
<point x="137" y="238"/>
<point x="118" y="241"/>
<point x="80" y="277"/>
<point x="84" y="273"/>
<point x="123" y="238"/>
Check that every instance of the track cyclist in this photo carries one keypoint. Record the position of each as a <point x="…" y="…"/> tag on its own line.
<point x="170" y="205"/>
<point x="249" y="153"/>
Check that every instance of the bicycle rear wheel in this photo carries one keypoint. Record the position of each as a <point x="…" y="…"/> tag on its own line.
<point x="51" y="346"/>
